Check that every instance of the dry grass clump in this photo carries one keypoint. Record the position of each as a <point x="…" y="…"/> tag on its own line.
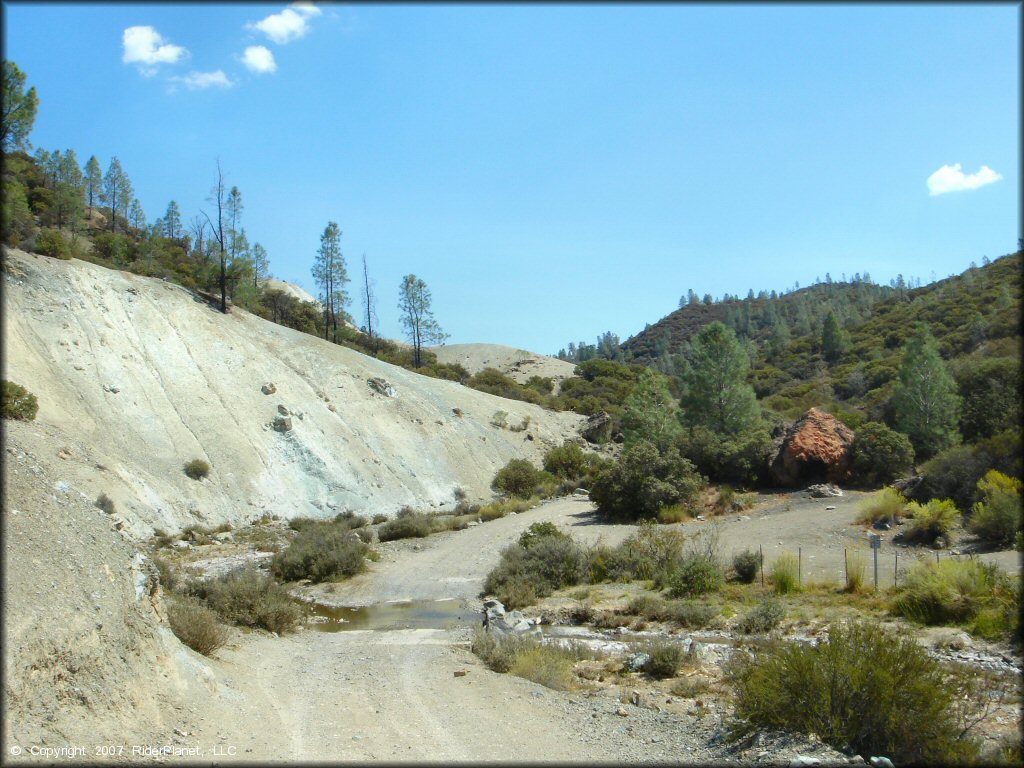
<point x="546" y="664"/>
<point x="931" y="520"/>
<point x="785" y="574"/>
<point x="887" y="505"/>
<point x="684" y="613"/>
<point x="856" y="568"/>
<point x="502" y="507"/>
<point x="195" y="624"/>
<point x="409" y="524"/>
<point x="665" y="658"/>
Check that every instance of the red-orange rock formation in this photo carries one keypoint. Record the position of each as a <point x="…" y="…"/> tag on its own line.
<point x="815" y="448"/>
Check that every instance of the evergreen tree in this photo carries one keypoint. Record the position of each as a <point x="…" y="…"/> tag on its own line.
<point x="19" y="109"/>
<point x="369" y="302"/>
<point x="172" y="221"/>
<point x="832" y="341"/>
<point x="717" y="394"/>
<point x="330" y="275"/>
<point x="651" y="412"/>
<point x="136" y="215"/>
<point x="260" y="265"/>
<point x="115" y="187"/>
<point x="233" y="209"/>
<point x="417" y="317"/>
<point x="93" y="183"/>
<point x="926" y="402"/>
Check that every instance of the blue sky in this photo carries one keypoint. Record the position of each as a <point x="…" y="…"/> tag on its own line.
<point x="556" y="171"/>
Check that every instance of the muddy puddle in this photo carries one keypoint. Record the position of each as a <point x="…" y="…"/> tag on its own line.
<point x="406" y="614"/>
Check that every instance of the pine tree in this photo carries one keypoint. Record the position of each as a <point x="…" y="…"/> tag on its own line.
<point x="417" y="317"/>
<point x="136" y="215"/>
<point x="260" y="265"/>
<point x="330" y="274"/>
<point x="172" y="221"/>
<point x="651" y="412"/>
<point x="832" y="341"/>
<point x="233" y="208"/>
<point x="926" y="401"/>
<point x="93" y="183"/>
<point x="114" y="188"/>
<point x="19" y="109"/>
<point x="717" y="394"/>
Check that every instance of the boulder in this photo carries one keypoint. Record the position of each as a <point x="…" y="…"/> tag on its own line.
<point x="282" y="423"/>
<point x="815" y="447"/>
<point x="824" y="490"/>
<point x="378" y="384"/>
<point x="496" y="619"/>
<point x="598" y="428"/>
<point x="268" y="388"/>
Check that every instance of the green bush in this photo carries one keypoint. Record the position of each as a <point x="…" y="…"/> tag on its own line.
<point x="931" y="520"/>
<point x="321" y="552"/>
<point x="18" y="402"/>
<point x="407" y="525"/>
<point x="644" y="481"/>
<point x="861" y="690"/>
<point x="746" y="565"/>
<point x="105" y="503"/>
<point x="568" y="462"/>
<point x="502" y="507"/>
<point x="195" y="624"/>
<point x="685" y="613"/>
<point x="880" y="455"/>
<point x="727" y="458"/>
<point x="547" y="665"/>
<point x="955" y="591"/>
<point x="197" y="469"/>
<point x="651" y="553"/>
<point x="696" y="575"/>
<point x="665" y="659"/>
<point x="251" y="599"/>
<point x="997" y="517"/>
<point x="785" y="574"/>
<point x="551" y="562"/>
<point x="517" y="478"/>
<point x="50" y="242"/>
<point x="764" y="617"/>
<point x="538" y="531"/>
<point x="954" y="473"/>
<point x="887" y="504"/>
<point x="494" y="649"/>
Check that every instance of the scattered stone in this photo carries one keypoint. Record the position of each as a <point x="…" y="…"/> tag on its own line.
<point x="830" y="507"/>
<point x="378" y="384"/>
<point x="881" y="762"/>
<point x="882" y="525"/>
<point x="282" y="409"/>
<point x="461" y="673"/>
<point x="111" y="388"/>
<point x="941" y="542"/>
<point x="824" y="490"/>
<point x="457" y="411"/>
<point x="181" y="545"/>
<point x="621" y="712"/>
<point x="637" y="661"/>
<point x="802" y="760"/>
<point x="269" y="388"/>
<point x="64" y="453"/>
<point x="597" y="428"/>
<point x="282" y="423"/>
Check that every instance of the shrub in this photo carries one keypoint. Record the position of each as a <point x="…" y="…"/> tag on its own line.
<point x="416" y="525"/>
<point x="105" y="503"/>
<point x="517" y="478"/>
<point x="887" y="504"/>
<point x="538" y="531"/>
<point x="880" y="455"/>
<point x="503" y="507"/>
<point x="643" y="481"/>
<point x="50" y="242"/>
<point x="651" y="553"/>
<point x="955" y="591"/>
<point x="495" y="650"/>
<point x="665" y="659"/>
<point x="954" y="473"/>
<point x="252" y="599"/>
<point x="785" y="574"/>
<point x="690" y="613"/>
<point x="547" y="665"/>
<point x="322" y="552"/>
<point x="379" y="518"/>
<point x="195" y="625"/>
<point x="197" y="469"/>
<point x="932" y="520"/>
<point x="695" y="575"/>
<point x="500" y="419"/>
<point x="727" y="458"/>
<point x="568" y="462"/>
<point x="746" y="565"/>
<point x="861" y="690"/>
<point x="551" y="562"/>
<point x="997" y="517"/>
<point x="764" y="617"/>
<point x="18" y="402"/>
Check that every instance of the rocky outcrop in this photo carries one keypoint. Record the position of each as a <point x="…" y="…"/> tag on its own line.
<point x="815" y="448"/>
<point x="378" y="384"/>
<point x="497" y="619"/>
<point x="598" y="428"/>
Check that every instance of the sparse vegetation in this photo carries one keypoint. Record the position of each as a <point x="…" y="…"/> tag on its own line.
<point x="196" y="625"/>
<point x="550" y="563"/>
<point x="197" y="469"/>
<point x="666" y="657"/>
<point x="764" y="617"/>
<point x="105" y="503"/>
<point x="18" y="402"/>
<point x="931" y="520"/>
<point x="503" y="507"/>
<point x="887" y="505"/>
<point x="861" y="689"/>
<point x="746" y="564"/>
<point x="695" y="575"/>
<point x="251" y="599"/>
<point x="998" y="516"/>
<point x="409" y="524"/>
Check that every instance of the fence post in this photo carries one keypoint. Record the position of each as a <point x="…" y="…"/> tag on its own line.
<point x="896" y="570"/>
<point x="799" y="567"/>
<point x="846" y="568"/>
<point x="936" y="558"/>
<point x="761" y="551"/>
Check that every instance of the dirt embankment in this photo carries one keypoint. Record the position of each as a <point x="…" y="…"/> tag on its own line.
<point x="144" y="377"/>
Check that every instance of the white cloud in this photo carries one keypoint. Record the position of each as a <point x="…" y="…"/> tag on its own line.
<point x="198" y="81"/>
<point x="290" y="24"/>
<point x="147" y="48"/>
<point x="258" y="58"/>
<point x="951" y="178"/>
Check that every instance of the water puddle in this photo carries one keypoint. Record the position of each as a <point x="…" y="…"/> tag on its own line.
<point x="406" y="614"/>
